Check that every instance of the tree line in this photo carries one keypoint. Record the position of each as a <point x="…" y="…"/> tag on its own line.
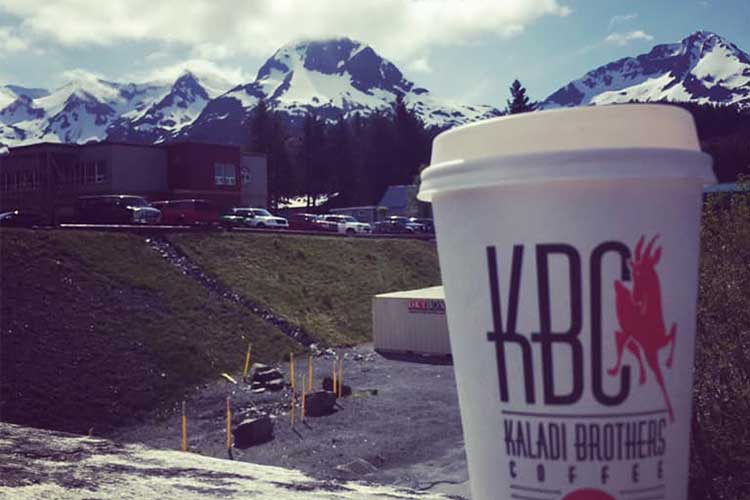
<point x="357" y="157"/>
<point x="361" y="155"/>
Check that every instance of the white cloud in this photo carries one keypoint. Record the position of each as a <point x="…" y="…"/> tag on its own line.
<point x="622" y="19"/>
<point x="78" y="74"/>
<point x="419" y="65"/>
<point x="219" y="78"/>
<point x="400" y="29"/>
<point x="10" y="41"/>
<point x="622" y="39"/>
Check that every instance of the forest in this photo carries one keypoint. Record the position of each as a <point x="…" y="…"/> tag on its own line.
<point x="359" y="156"/>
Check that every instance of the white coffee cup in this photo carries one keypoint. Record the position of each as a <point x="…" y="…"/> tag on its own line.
<point x="569" y="240"/>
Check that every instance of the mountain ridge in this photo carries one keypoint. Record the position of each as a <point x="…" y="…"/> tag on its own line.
<point x="703" y="68"/>
<point x="340" y="77"/>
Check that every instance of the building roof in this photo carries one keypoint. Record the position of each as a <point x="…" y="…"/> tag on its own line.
<point x="47" y="144"/>
<point x="398" y="196"/>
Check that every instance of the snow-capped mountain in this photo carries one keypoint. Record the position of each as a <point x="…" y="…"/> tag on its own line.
<point x="330" y="77"/>
<point x="702" y="68"/>
<point x="79" y="111"/>
<point x="340" y="77"/>
<point x="167" y="116"/>
<point x="89" y="108"/>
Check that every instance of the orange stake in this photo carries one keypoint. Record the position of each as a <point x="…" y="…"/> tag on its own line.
<point x="302" y="408"/>
<point x="184" y="427"/>
<point x="310" y="373"/>
<point x="334" y="376"/>
<point x="229" y="423"/>
<point x="292" y="410"/>
<point x="291" y="371"/>
<point x="341" y="377"/>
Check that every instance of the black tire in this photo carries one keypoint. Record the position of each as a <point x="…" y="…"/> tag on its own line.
<point x="350" y="231"/>
<point x="261" y="225"/>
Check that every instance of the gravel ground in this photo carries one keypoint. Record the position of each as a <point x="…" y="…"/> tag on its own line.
<point x="402" y="420"/>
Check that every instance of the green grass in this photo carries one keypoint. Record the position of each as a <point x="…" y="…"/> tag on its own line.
<point x="720" y="455"/>
<point x="323" y="284"/>
<point x="103" y="319"/>
<point x="98" y="328"/>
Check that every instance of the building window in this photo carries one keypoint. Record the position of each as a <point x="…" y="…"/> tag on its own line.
<point x="101" y="172"/>
<point x="225" y="174"/>
<point x="28" y="179"/>
<point x="90" y="172"/>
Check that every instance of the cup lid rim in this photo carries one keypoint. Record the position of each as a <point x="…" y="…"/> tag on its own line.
<point x="576" y="165"/>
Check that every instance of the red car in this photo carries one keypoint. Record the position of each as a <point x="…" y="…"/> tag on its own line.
<point x="187" y="212"/>
<point x="308" y="222"/>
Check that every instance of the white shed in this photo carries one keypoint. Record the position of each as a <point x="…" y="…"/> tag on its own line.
<point x="411" y="321"/>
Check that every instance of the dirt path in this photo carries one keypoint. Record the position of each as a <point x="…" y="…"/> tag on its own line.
<point x="408" y="432"/>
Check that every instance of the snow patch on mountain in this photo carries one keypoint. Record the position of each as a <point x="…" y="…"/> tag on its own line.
<point x="702" y="68"/>
<point x="330" y="77"/>
<point x="20" y="110"/>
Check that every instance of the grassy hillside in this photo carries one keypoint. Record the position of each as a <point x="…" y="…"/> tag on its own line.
<point x="96" y="328"/>
<point x="720" y="455"/>
<point x="324" y="284"/>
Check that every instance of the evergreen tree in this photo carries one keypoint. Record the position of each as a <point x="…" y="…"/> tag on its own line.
<point x="279" y="164"/>
<point x="358" y="173"/>
<point x="314" y="163"/>
<point x="340" y="159"/>
<point x="380" y="156"/>
<point x="260" y="128"/>
<point x="519" y="102"/>
<point x="410" y="144"/>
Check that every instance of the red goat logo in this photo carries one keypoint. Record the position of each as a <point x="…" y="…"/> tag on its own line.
<point x="641" y="318"/>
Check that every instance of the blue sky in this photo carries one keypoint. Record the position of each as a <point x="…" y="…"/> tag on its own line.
<point x="466" y="50"/>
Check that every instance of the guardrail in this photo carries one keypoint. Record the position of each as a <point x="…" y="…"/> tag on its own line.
<point x="163" y="229"/>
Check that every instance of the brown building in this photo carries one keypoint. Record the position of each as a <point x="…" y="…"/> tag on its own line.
<point x="49" y="177"/>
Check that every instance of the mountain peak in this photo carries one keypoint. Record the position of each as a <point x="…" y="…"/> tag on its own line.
<point x="186" y="75"/>
<point x="327" y="56"/>
<point x="702" y="36"/>
<point x="702" y="68"/>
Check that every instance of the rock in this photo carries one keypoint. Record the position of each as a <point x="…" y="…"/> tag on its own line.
<point x="328" y="386"/>
<point x="267" y="374"/>
<point x="359" y="357"/>
<point x="253" y="431"/>
<point x="358" y="467"/>
<point x="258" y="367"/>
<point x="275" y="384"/>
<point x="319" y="403"/>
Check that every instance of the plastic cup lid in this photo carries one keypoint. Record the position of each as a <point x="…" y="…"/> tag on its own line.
<point x="545" y="145"/>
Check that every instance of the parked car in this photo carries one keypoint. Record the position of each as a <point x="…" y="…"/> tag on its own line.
<point x="21" y="218"/>
<point x="115" y="209"/>
<point x="229" y="219"/>
<point x="326" y="225"/>
<point x="306" y="222"/>
<point x="348" y="224"/>
<point x="391" y="227"/>
<point x="413" y="227"/>
<point x="188" y="212"/>
<point x="428" y="225"/>
<point x="261" y="218"/>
